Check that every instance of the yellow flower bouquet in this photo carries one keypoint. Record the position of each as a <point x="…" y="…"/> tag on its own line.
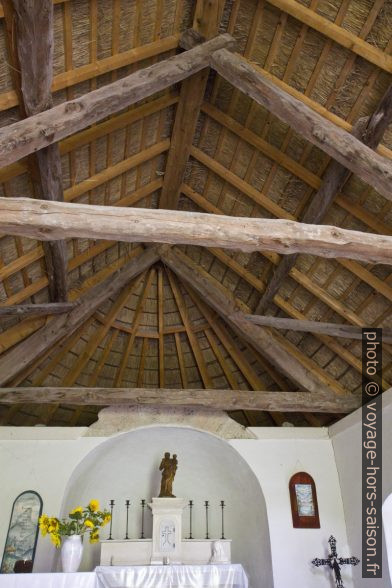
<point x="81" y="520"/>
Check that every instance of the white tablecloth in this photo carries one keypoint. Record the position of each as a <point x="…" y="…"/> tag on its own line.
<point x="192" y="576"/>
<point x="211" y="576"/>
<point x="78" y="580"/>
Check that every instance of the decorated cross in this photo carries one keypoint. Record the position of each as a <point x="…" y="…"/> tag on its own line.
<point x="334" y="562"/>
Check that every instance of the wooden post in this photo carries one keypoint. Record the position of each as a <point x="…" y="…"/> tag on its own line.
<point x="29" y="26"/>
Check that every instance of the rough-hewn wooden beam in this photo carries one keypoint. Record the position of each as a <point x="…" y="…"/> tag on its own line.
<point x="206" y="22"/>
<point x="370" y="132"/>
<point x="229" y="308"/>
<point x="24" y="310"/>
<point x="29" y="27"/>
<point x="338" y="34"/>
<point x="18" y="358"/>
<point x="43" y="221"/>
<point x="24" y="137"/>
<point x="331" y="329"/>
<point x="212" y="399"/>
<point x="371" y="167"/>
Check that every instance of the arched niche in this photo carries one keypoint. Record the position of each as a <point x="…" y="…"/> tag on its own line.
<point x="387" y="524"/>
<point x="126" y="467"/>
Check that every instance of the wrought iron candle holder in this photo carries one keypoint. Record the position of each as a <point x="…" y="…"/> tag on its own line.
<point x="206" y="504"/>
<point x="223" y="518"/>
<point x="111" y="520"/>
<point x="190" y="518"/>
<point x="127" y="503"/>
<point x="143" y="505"/>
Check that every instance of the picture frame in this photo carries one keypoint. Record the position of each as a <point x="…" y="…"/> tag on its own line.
<point x="22" y="535"/>
<point x="303" y="499"/>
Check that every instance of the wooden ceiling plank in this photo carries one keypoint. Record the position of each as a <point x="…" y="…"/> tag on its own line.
<point x="161" y="346"/>
<point x="370" y="132"/>
<point x="22" y="355"/>
<point x="360" y="159"/>
<point x="140" y="375"/>
<point x="97" y="338"/>
<point x="193" y="340"/>
<point x="336" y="33"/>
<point x="56" y="220"/>
<point x="205" y="398"/>
<point x="135" y="324"/>
<point x="67" y="118"/>
<point x="29" y="30"/>
<point x="206" y="22"/>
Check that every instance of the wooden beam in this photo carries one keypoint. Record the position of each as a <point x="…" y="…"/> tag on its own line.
<point x="206" y="22"/>
<point x="331" y="329"/>
<point x="24" y="137"/>
<point x="336" y="33"/>
<point x="210" y="398"/>
<point x="226" y="305"/>
<point x="56" y="220"/>
<point x="18" y="358"/>
<point x="24" y="310"/>
<point x="370" y="132"/>
<point x="29" y="28"/>
<point x="371" y="167"/>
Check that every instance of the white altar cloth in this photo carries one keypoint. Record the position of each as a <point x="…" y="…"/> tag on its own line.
<point x="78" y="580"/>
<point x="173" y="576"/>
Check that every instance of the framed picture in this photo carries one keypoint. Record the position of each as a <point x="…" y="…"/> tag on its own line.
<point x="303" y="498"/>
<point x="22" y="534"/>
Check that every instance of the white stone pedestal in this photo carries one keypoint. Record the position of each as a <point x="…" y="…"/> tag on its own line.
<point x="167" y="530"/>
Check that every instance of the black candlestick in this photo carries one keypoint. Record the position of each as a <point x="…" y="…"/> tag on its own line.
<point x="190" y="518"/>
<point x="143" y="503"/>
<point x="207" y="505"/>
<point x="111" y="519"/>
<point x="223" y="520"/>
<point x="127" y="503"/>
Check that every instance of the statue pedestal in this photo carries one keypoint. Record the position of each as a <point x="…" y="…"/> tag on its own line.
<point x="167" y="530"/>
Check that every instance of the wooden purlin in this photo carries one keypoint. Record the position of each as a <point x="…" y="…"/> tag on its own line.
<point x="334" y="32"/>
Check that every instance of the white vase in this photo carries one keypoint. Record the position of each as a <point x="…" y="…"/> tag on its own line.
<point x="71" y="553"/>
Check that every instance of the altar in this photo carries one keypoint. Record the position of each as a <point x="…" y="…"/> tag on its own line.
<point x="167" y="576"/>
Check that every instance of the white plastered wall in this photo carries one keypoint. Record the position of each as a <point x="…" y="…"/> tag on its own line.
<point x="44" y="459"/>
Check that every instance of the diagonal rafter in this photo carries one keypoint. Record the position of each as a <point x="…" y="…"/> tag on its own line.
<point x="26" y="352"/>
<point x="262" y="339"/>
<point x="370" y="132"/>
<point x="135" y="324"/>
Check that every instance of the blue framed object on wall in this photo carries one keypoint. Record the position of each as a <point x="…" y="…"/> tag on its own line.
<point x="22" y="533"/>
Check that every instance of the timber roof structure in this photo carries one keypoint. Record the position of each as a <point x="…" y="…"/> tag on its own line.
<point x="129" y="118"/>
